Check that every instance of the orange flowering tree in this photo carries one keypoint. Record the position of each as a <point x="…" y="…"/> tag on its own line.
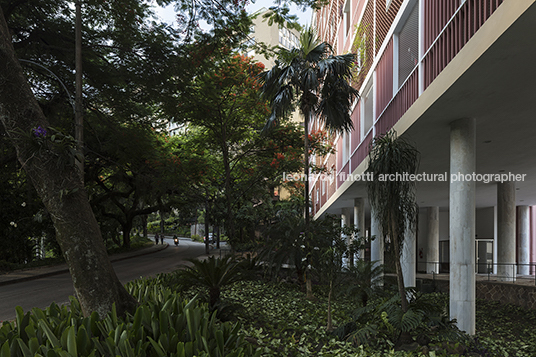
<point x="225" y="108"/>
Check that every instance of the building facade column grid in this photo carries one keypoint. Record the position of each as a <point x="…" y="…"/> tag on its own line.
<point x="462" y="224"/>
<point x="506" y="231"/>
<point x="523" y="241"/>
<point x="432" y="250"/>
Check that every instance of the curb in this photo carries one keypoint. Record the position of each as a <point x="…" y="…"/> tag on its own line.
<point x="62" y="269"/>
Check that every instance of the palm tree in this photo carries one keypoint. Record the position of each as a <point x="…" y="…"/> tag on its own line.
<point x="213" y="274"/>
<point x="393" y="201"/>
<point x="318" y="83"/>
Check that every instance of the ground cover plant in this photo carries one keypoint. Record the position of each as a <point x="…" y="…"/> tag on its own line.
<point x="267" y="318"/>
<point x="505" y="330"/>
<point x="279" y="321"/>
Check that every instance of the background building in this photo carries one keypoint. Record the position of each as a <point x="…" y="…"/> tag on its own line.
<point x="271" y="35"/>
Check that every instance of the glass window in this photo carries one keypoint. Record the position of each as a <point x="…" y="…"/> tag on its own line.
<point x="408" y="46"/>
<point x="347" y="17"/>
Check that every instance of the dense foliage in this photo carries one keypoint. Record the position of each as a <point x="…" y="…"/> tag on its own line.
<point x="134" y="71"/>
<point x="163" y="325"/>
<point x="224" y="114"/>
<point x="394" y="202"/>
<point x="273" y="319"/>
<point x="25" y="226"/>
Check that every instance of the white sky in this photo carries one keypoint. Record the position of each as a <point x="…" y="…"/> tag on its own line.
<point x="167" y="14"/>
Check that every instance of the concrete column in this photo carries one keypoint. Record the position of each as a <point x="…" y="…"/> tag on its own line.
<point x="462" y="224"/>
<point x="408" y="258"/>
<point x="432" y="250"/>
<point x="495" y="238"/>
<point x="523" y="240"/>
<point x="344" y="222"/>
<point x="377" y="245"/>
<point x="506" y="231"/>
<point x="532" y="239"/>
<point x="359" y="222"/>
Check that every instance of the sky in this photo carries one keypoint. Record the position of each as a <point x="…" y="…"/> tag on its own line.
<point x="167" y="14"/>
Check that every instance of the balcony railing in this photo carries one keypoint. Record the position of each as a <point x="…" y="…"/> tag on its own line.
<point x="404" y="98"/>
<point x="448" y="26"/>
<point x="506" y="272"/>
<point x="459" y="29"/>
<point x="362" y="150"/>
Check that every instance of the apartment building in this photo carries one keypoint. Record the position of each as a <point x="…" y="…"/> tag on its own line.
<point x="457" y="77"/>
<point x="271" y="35"/>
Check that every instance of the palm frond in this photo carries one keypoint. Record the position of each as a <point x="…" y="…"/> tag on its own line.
<point x="393" y="200"/>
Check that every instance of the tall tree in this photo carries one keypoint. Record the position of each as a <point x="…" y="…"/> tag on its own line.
<point x="225" y="103"/>
<point x="132" y="170"/>
<point x="319" y="82"/>
<point x="57" y="182"/>
<point x="393" y="201"/>
<point x="132" y="67"/>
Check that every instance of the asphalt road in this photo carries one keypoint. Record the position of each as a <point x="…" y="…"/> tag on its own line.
<point x="43" y="291"/>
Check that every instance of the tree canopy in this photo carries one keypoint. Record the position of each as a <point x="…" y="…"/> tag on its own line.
<point x="136" y="72"/>
<point x="226" y="107"/>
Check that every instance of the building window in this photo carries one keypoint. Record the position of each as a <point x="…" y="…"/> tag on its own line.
<point x="346" y="17"/>
<point x="323" y="187"/>
<point x="347" y="144"/>
<point x="368" y="110"/>
<point x="287" y="39"/>
<point x="345" y="147"/>
<point x="408" y="46"/>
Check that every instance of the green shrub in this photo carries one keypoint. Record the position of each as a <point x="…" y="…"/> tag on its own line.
<point x="381" y="323"/>
<point x="163" y="325"/>
<point x="213" y="274"/>
<point x="197" y="238"/>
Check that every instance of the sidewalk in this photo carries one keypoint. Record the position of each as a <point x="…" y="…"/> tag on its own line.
<point x="17" y="276"/>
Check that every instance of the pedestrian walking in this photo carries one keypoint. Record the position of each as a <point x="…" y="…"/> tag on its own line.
<point x="156" y="238"/>
<point x="162" y="238"/>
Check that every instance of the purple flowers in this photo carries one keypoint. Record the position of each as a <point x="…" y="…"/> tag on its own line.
<point x="40" y="132"/>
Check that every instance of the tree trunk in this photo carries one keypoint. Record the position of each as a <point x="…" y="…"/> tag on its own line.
<point x="398" y="267"/>
<point x="217" y="233"/>
<point x="144" y="225"/>
<point x="229" y="221"/>
<point x="127" y="228"/>
<point x="308" y="284"/>
<point x="330" y="322"/>
<point x="405" y="337"/>
<point x="306" y="172"/>
<point x="58" y="183"/>
<point x="207" y="226"/>
<point x="162" y="221"/>
<point x="79" y="109"/>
